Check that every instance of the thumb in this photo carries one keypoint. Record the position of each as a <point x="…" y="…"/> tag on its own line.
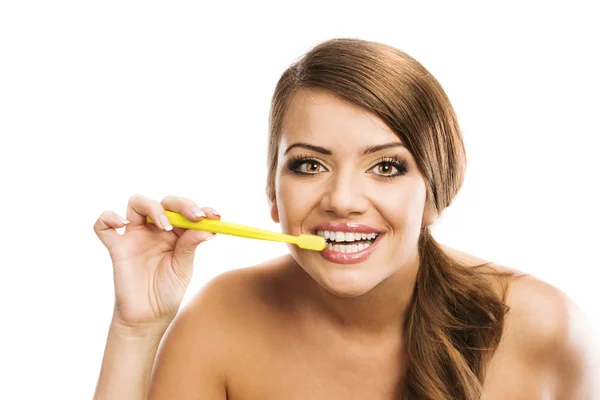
<point x="185" y="249"/>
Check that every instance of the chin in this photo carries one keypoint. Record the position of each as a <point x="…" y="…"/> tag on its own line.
<point x="342" y="280"/>
<point x="347" y="283"/>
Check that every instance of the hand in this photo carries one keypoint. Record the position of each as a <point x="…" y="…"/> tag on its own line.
<point x="152" y="262"/>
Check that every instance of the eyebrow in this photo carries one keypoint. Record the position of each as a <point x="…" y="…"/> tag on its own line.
<point x="367" y="150"/>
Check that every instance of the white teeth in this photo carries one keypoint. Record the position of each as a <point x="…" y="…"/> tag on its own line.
<point x="348" y="248"/>
<point x="346" y="236"/>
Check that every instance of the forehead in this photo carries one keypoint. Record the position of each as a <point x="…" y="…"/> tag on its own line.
<point x="323" y="118"/>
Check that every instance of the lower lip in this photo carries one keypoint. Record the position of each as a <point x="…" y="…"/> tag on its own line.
<point x="350" y="258"/>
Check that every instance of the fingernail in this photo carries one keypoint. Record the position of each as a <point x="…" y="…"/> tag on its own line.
<point x="165" y="222"/>
<point x="198" y="212"/>
<point x="210" y="237"/>
<point x="124" y="221"/>
<point x="215" y="212"/>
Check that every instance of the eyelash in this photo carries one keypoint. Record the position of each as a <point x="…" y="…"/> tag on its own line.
<point x="401" y="165"/>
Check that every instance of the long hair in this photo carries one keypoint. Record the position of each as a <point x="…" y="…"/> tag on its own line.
<point x="456" y="316"/>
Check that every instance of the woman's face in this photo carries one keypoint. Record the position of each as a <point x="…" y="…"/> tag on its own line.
<point x="342" y="170"/>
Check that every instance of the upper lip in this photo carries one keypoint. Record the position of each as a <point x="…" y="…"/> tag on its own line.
<point x="344" y="227"/>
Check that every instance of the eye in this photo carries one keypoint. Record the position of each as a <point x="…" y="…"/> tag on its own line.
<point x="305" y="166"/>
<point x="385" y="168"/>
<point x="309" y="167"/>
<point x="390" y="168"/>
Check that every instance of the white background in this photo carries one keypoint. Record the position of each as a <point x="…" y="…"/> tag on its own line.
<point x="102" y="100"/>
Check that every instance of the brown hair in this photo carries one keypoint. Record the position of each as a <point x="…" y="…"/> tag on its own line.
<point x="456" y="317"/>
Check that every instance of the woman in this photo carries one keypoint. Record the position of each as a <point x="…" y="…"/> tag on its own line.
<point x="364" y="149"/>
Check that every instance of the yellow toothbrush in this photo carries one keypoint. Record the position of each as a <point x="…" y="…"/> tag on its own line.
<point x="309" y="242"/>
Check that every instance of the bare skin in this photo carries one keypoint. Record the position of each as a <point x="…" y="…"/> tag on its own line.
<point x="278" y="343"/>
<point x="302" y="326"/>
<point x="264" y="333"/>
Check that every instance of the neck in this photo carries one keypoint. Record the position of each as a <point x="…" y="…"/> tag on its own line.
<point x="381" y="312"/>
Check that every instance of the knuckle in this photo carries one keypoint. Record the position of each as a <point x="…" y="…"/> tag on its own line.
<point x="174" y="201"/>
<point x="168" y="198"/>
<point x="106" y="214"/>
<point x="103" y="220"/>
<point x="136" y="198"/>
<point x="189" y="203"/>
<point x="156" y="210"/>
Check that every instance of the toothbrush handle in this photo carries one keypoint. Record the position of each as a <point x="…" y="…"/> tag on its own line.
<point x="228" y="228"/>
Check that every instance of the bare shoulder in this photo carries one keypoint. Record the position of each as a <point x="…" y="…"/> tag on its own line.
<point x="538" y="315"/>
<point x="548" y="339"/>
<point x="543" y="316"/>
<point x="245" y="291"/>
<point x="210" y="333"/>
<point x="239" y="298"/>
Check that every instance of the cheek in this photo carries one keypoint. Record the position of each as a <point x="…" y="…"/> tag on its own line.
<point x="292" y="201"/>
<point x="403" y="205"/>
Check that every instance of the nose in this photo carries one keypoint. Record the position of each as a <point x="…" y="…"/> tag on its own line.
<point x="345" y="196"/>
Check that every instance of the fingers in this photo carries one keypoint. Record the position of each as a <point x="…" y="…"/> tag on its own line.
<point x="188" y="208"/>
<point x="140" y="206"/>
<point x="185" y="249"/>
<point x="189" y="240"/>
<point x="106" y="225"/>
<point x="212" y="213"/>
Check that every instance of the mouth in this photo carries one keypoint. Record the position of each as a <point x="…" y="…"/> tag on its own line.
<point x="348" y="243"/>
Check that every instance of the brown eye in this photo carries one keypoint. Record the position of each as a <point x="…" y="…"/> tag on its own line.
<point x="385" y="169"/>
<point x="310" y="167"/>
<point x="390" y="168"/>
